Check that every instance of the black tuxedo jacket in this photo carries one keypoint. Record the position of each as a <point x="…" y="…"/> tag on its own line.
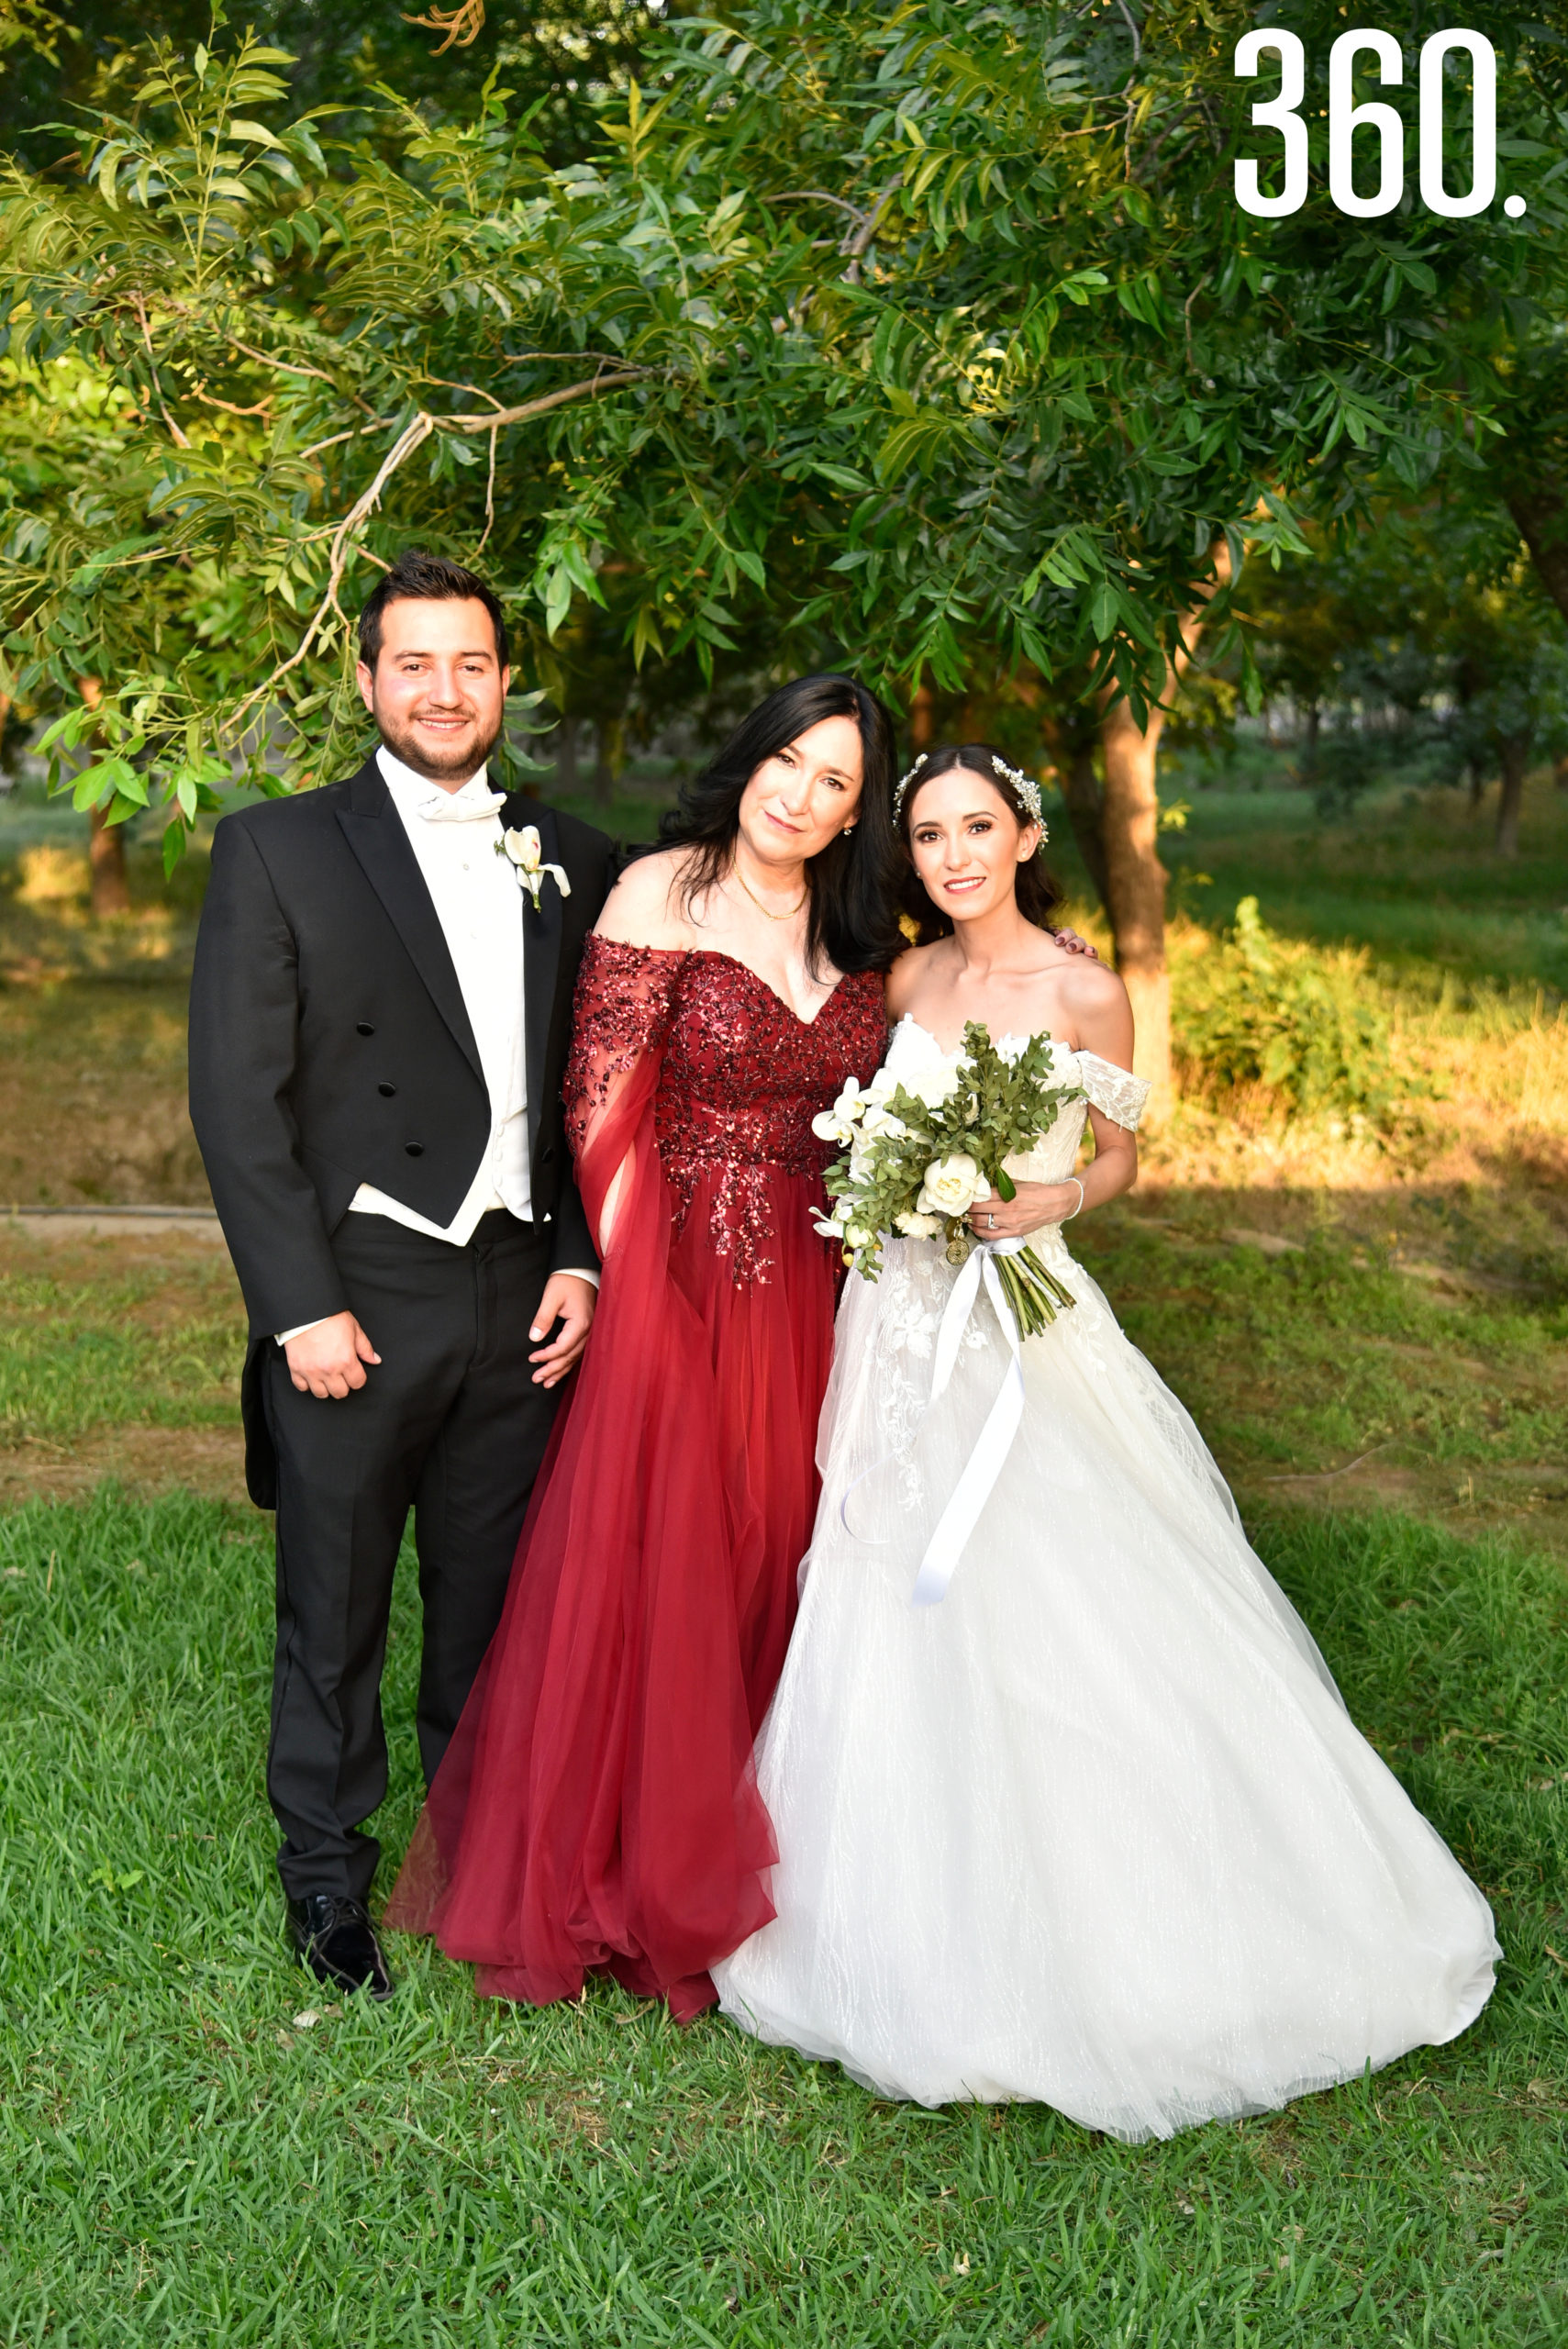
<point x="330" y="1045"/>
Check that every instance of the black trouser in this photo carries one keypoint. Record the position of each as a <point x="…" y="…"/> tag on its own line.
<point x="449" y="1423"/>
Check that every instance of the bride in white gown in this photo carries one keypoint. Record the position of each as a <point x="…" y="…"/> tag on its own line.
<point x="1095" y="1829"/>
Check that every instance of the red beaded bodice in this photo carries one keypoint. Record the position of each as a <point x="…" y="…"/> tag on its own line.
<point x="740" y="1080"/>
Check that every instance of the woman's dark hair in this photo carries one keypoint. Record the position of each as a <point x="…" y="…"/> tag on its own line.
<point x="1038" y="896"/>
<point x="855" y="881"/>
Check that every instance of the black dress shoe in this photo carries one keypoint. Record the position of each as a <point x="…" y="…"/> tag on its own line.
<point x="334" y="1937"/>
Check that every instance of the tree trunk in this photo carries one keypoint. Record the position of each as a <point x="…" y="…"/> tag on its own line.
<point x="922" y="719"/>
<point x="1514" y="751"/>
<point x="106" y="854"/>
<point x="566" y="758"/>
<point x="1135" y="878"/>
<point x="1072" y="736"/>
<point x="1313" y="735"/>
<point x="1559" y="771"/>
<point x="603" y="773"/>
<point x="1086" y="813"/>
<point x="1542" y="513"/>
<point x="1476" y="786"/>
<point x="1135" y="888"/>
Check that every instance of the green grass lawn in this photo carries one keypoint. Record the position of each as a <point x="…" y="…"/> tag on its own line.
<point x="1412" y="876"/>
<point x="186" y="2160"/>
<point x="199" y="2147"/>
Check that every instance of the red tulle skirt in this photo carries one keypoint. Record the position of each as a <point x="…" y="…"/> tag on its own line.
<point x="597" y="1809"/>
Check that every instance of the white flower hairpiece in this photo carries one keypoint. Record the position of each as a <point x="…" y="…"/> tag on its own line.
<point x="904" y="782"/>
<point x="1026" y="789"/>
<point x="1024" y="784"/>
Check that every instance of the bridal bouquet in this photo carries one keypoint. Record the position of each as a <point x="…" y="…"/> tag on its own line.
<point x="925" y="1148"/>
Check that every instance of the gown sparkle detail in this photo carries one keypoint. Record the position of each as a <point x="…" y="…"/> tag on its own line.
<point x="597" y="1809"/>
<point x="1097" y="1831"/>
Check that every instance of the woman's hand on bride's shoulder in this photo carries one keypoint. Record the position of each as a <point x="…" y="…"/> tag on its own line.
<point x="1070" y="943"/>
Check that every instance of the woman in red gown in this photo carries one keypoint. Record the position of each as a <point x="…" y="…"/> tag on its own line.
<point x="597" y="1810"/>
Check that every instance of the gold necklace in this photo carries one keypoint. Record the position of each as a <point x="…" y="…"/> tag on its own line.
<point x="767" y="909"/>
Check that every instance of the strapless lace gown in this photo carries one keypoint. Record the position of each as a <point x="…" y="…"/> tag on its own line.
<point x="597" y="1808"/>
<point x="1097" y="1830"/>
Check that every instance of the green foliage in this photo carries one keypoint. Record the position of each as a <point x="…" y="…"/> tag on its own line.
<point x="938" y="329"/>
<point x="1423" y="640"/>
<point x="561" y="55"/>
<point x="1299" y="1020"/>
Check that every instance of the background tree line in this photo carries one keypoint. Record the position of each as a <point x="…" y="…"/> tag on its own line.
<point x="926" y="340"/>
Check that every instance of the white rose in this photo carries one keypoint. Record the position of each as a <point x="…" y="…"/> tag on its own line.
<point x="917" y="1227"/>
<point x="951" y="1185"/>
<point x="935" y="1084"/>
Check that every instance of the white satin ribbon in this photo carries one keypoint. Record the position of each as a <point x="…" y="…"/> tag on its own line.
<point x="984" y="1466"/>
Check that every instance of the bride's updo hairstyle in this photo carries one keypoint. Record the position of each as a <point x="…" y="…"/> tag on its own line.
<point x="1038" y="897"/>
<point x="857" y="880"/>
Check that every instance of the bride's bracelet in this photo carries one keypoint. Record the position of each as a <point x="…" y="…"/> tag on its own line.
<point x="1079" y="1209"/>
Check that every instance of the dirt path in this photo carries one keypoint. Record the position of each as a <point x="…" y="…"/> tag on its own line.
<point x="147" y="1461"/>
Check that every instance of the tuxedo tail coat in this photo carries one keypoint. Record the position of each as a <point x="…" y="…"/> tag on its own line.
<point x="330" y="1046"/>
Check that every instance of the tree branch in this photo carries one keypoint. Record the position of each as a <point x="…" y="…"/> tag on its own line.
<point x="414" y="436"/>
<point x="179" y="439"/>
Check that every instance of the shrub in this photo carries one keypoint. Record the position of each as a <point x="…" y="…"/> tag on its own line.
<point x="1303" y="1023"/>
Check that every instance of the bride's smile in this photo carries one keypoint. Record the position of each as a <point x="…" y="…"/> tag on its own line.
<point x="966" y="848"/>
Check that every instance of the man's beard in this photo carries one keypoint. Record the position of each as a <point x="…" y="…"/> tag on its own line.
<point x="429" y="763"/>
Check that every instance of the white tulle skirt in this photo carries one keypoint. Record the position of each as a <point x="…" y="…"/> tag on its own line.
<point x="1097" y="1830"/>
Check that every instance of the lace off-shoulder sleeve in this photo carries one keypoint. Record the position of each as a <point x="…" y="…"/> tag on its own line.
<point x="1115" y="1092"/>
<point x="620" y="1017"/>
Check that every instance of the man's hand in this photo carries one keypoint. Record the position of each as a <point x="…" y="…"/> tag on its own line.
<point x="1070" y="943"/>
<point x="571" y="1302"/>
<point x="329" y="1360"/>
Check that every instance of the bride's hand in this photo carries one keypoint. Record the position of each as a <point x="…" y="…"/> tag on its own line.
<point x="1035" y="1206"/>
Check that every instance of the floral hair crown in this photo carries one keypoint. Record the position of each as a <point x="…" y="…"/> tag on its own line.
<point x="1024" y="785"/>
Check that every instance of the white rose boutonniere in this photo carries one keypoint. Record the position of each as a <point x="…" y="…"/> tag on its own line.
<point x="522" y="849"/>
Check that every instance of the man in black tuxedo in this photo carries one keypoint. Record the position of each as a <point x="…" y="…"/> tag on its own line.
<point x="380" y="1016"/>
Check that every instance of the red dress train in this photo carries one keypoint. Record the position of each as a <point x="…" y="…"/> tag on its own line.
<point x="597" y="1809"/>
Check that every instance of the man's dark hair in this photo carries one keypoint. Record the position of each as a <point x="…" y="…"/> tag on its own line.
<point x="432" y="579"/>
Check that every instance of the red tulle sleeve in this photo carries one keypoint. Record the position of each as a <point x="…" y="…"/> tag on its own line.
<point x="625" y="998"/>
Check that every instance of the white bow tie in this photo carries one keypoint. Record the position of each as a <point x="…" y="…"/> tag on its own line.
<point x="457" y="808"/>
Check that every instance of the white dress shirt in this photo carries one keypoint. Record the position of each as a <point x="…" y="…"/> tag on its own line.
<point x="456" y="840"/>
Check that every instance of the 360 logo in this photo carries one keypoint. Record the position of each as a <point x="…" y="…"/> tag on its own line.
<point x="1346" y="117"/>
